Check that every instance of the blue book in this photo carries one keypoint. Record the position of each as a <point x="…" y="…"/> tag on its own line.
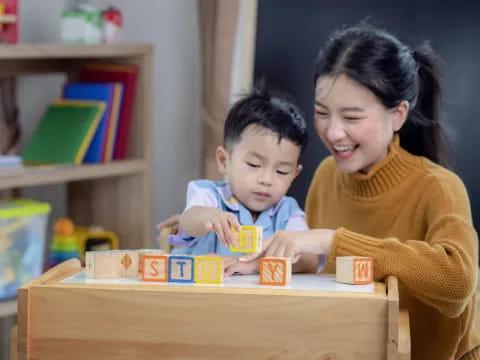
<point x="97" y="92"/>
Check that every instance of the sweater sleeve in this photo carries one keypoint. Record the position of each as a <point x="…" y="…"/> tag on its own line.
<point x="440" y="270"/>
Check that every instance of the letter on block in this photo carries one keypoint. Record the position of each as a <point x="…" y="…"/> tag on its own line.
<point x="249" y="239"/>
<point x="275" y="271"/>
<point x="102" y="264"/>
<point x="180" y="268"/>
<point x="354" y="270"/>
<point x="143" y="252"/>
<point x="208" y="270"/>
<point x="128" y="263"/>
<point x="155" y="268"/>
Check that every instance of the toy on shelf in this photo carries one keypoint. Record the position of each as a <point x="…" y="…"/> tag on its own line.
<point x="64" y="244"/>
<point x="9" y="21"/>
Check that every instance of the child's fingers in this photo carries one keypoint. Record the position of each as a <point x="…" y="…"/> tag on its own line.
<point x="171" y="221"/>
<point x="219" y="230"/>
<point x="227" y="232"/>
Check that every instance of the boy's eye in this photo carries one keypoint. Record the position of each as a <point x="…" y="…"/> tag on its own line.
<point x="321" y="114"/>
<point x="352" y="118"/>
<point x="252" y="165"/>
<point x="282" y="172"/>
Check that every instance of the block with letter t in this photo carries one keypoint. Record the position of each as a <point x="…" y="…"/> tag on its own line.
<point x="180" y="268"/>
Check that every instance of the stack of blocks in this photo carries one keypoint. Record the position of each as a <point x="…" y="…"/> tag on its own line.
<point x="183" y="269"/>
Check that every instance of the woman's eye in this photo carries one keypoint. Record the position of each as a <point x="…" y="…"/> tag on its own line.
<point x="351" y="118"/>
<point x="252" y="165"/>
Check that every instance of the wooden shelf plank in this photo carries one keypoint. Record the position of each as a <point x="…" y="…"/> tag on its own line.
<point x="67" y="51"/>
<point x="51" y="174"/>
<point x="8" y="308"/>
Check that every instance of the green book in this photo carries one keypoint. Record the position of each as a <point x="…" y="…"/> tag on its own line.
<point x="64" y="132"/>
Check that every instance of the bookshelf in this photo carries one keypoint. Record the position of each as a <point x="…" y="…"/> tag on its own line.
<point x="117" y="195"/>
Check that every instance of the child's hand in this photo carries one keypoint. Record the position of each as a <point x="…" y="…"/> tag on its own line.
<point x="244" y="268"/>
<point x="221" y="224"/>
<point x="172" y="222"/>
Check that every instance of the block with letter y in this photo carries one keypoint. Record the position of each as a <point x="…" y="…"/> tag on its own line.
<point x="275" y="271"/>
<point x="180" y="268"/>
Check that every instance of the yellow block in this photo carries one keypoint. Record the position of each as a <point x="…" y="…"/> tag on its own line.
<point x="208" y="270"/>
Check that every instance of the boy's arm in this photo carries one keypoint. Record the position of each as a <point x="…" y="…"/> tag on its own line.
<point x="193" y="220"/>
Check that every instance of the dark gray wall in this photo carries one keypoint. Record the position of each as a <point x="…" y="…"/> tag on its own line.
<point x="290" y="34"/>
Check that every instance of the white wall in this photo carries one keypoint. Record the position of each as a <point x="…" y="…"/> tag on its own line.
<point x="171" y="25"/>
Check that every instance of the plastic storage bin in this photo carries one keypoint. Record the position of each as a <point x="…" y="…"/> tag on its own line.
<point x="22" y="240"/>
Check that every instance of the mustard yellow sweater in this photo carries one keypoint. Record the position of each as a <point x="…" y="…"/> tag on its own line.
<point x="413" y="217"/>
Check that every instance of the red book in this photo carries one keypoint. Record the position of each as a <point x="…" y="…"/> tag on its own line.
<point x="121" y="73"/>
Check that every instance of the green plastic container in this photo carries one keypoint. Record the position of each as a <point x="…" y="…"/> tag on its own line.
<point x="23" y="225"/>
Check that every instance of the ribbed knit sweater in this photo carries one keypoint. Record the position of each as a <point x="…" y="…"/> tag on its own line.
<point x="413" y="217"/>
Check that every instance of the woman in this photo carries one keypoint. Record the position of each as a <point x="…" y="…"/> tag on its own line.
<point x="385" y="192"/>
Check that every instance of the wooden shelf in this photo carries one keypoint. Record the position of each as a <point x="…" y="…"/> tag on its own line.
<point x="43" y="175"/>
<point x="8" y="308"/>
<point x="66" y="51"/>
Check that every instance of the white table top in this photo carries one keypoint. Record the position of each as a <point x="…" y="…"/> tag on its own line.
<point x="314" y="282"/>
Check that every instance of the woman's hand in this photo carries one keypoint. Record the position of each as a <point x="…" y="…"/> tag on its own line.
<point x="292" y="244"/>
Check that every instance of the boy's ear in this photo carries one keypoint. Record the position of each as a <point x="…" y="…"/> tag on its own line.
<point x="298" y="170"/>
<point x="400" y="115"/>
<point x="222" y="159"/>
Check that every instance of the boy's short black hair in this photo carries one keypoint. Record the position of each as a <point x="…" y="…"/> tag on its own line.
<point x="267" y="109"/>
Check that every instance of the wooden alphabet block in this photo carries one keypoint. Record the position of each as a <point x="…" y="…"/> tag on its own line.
<point x="143" y="252"/>
<point x="275" y="271"/>
<point x="102" y="264"/>
<point x="180" y="268"/>
<point x="155" y="268"/>
<point x="249" y="239"/>
<point x="208" y="270"/>
<point x="128" y="263"/>
<point x="354" y="270"/>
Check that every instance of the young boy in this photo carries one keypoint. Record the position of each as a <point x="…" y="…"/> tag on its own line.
<point x="264" y="138"/>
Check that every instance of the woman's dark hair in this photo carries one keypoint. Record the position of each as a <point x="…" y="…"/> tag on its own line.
<point x="267" y="109"/>
<point x="393" y="72"/>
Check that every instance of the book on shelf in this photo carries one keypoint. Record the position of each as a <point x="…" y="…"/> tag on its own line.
<point x="98" y="150"/>
<point x="64" y="133"/>
<point x="126" y="74"/>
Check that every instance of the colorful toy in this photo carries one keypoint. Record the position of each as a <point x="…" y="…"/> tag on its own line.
<point x="249" y="239"/>
<point x="94" y="238"/>
<point x="64" y="244"/>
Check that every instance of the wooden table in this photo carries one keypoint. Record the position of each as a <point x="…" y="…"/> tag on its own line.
<point x="142" y="321"/>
